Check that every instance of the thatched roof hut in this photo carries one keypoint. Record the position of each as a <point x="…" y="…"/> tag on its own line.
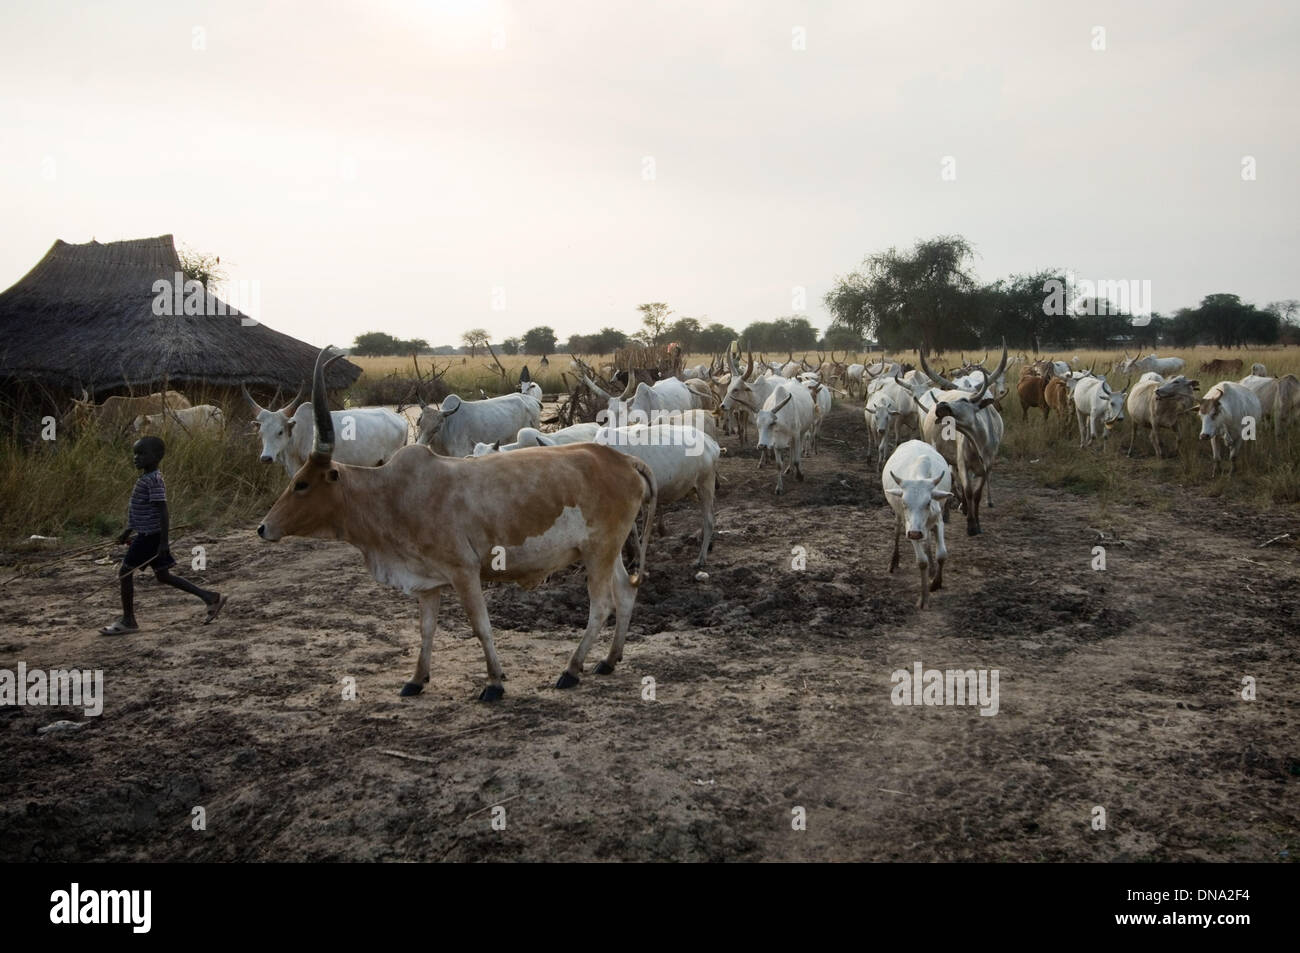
<point x="85" y="317"/>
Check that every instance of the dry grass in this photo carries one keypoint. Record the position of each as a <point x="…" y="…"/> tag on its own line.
<point x="78" y="485"/>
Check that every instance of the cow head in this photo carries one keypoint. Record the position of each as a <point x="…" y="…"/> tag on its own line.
<point x="274" y="426"/>
<point x="313" y="503"/>
<point x="433" y="419"/>
<point x="964" y="409"/>
<point x="767" y="423"/>
<point x="1180" y="389"/>
<point x="1213" y="417"/>
<point x="1114" y="404"/>
<point x="922" y="502"/>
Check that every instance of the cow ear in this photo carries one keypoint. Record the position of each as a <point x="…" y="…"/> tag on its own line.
<point x="940" y="494"/>
<point x="288" y="428"/>
<point x="894" y="491"/>
<point x="333" y="475"/>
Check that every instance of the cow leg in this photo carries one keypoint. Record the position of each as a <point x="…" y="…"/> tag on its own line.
<point x="780" y="485"/>
<point x="600" y="590"/>
<point x="973" y="507"/>
<point x="470" y="592"/>
<point x="624" y="600"/>
<point x="705" y="491"/>
<point x="430" y="602"/>
<point x="923" y="565"/>
<point x="1083" y="441"/>
<point x="797" y="462"/>
<point x="1155" y="441"/>
<point x="940" y="556"/>
<point x="988" y="497"/>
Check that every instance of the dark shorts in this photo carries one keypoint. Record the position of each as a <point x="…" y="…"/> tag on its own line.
<point x="143" y="552"/>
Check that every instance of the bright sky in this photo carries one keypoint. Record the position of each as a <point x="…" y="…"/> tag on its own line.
<point x="388" y="165"/>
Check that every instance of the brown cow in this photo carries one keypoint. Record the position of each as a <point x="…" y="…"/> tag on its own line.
<point x="1056" y="395"/>
<point x="1031" y="391"/>
<point x="115" y="414"/>
<point x="1222" y="366"/>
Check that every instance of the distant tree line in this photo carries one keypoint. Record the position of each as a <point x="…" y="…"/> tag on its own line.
<point x="929" y="296"/>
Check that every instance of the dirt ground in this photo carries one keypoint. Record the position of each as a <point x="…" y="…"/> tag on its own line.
<point x="1118" y="689"/>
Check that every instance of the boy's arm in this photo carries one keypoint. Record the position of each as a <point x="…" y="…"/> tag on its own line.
<point x="124" y="535"/>
<point x="163" y="546"/>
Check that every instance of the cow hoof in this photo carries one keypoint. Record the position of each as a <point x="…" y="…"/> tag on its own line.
<point x="411" y="688"/>
<point x="936" y="585"/>
<point x="491" y="693"/>
<point x="973" y="530"/>
<point x="603" y="668"/>
<point x="566" y="680"/>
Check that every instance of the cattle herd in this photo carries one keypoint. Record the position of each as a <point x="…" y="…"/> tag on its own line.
<point x="477" y="493"/>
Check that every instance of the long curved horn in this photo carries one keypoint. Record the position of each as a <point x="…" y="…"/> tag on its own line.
<point x="731" y="363"/>
<point x="989" y="378"/>
<point x="594" y="387"/>
<point x="777" y="408"/>
<point x="257" y="408"/>
<point x="750" y="370"/>
<point x="289" y="408"/>
<point x="523" y="375"/>
<point x="932" y="374"/>
<point x="631" y="386"/>
<point x="320" y="409"/>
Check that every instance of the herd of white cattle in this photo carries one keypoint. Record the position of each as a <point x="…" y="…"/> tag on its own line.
<point x="479" y="493"/>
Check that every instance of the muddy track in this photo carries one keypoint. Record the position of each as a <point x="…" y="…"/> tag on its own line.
<point x="1118" y="688"/>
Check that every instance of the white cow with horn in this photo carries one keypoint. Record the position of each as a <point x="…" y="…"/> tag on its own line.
<point x="455" y="426"/>
<point x="369" y="436"/>
<point x="917" y="481"/>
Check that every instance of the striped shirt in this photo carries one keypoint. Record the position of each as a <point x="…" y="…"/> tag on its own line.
<point x="141" y="513"/>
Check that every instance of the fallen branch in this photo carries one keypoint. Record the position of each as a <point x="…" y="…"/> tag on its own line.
<point x="513" y="797"/>
<point x="1270" y="542"/>
<point x="407" y="757"/>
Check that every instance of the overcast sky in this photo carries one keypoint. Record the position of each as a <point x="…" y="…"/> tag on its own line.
<point x="387" y="165"/>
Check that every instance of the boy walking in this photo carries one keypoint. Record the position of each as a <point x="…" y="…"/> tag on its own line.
<point x="147" y="517"/>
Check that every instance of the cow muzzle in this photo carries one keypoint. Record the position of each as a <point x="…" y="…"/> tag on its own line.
<point x="265" y="459"/>
<point x="271" y="536"/>
<point x="915" y="534"/>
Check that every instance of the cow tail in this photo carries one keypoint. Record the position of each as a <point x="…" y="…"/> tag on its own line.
<point x="648" y="500"/>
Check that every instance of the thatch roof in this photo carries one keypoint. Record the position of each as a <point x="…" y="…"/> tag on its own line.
<point x="84" y="317"/>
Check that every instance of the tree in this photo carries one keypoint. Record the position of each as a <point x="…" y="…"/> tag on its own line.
<point x="375" y="344"/>
<point x="539" y="340"/>
<point x="686" y="332"/>
<point x="839" y="337"/>
<point x="654" y="321"/>
<point x="1229" y="322"/>
<point x="511" y="345"/>
<point x="474" y="339"/>
<point x="904" y="299"/>
<point x="715" y="338"/>
<point x="205" y="269"/>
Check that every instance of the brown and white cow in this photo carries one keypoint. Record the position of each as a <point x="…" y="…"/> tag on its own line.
<point x="116" y="413"/>
<point x="426" y="524"/>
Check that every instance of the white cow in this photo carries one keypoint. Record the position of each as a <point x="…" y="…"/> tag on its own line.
<point x="532" y="437"/>
<point x="822" y="402"/>
<point x="206" y="417"/>
<point x="1097" y="408"/>
<point x="367" y="436"/>
<point x="745" y="398"/>
<point x="890" y="410"/>
<point x="917" y="481"/>
<point x="1154" y="402"/>
<point x="453" y="428"/>
<point x="973" y="448"/>
<point x="783" y="423"/>
<point x="1229" y="414"/>
<point x="682" y="458"/>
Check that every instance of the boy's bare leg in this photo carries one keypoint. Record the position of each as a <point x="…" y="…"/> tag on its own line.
<point x="165" y="577"/>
